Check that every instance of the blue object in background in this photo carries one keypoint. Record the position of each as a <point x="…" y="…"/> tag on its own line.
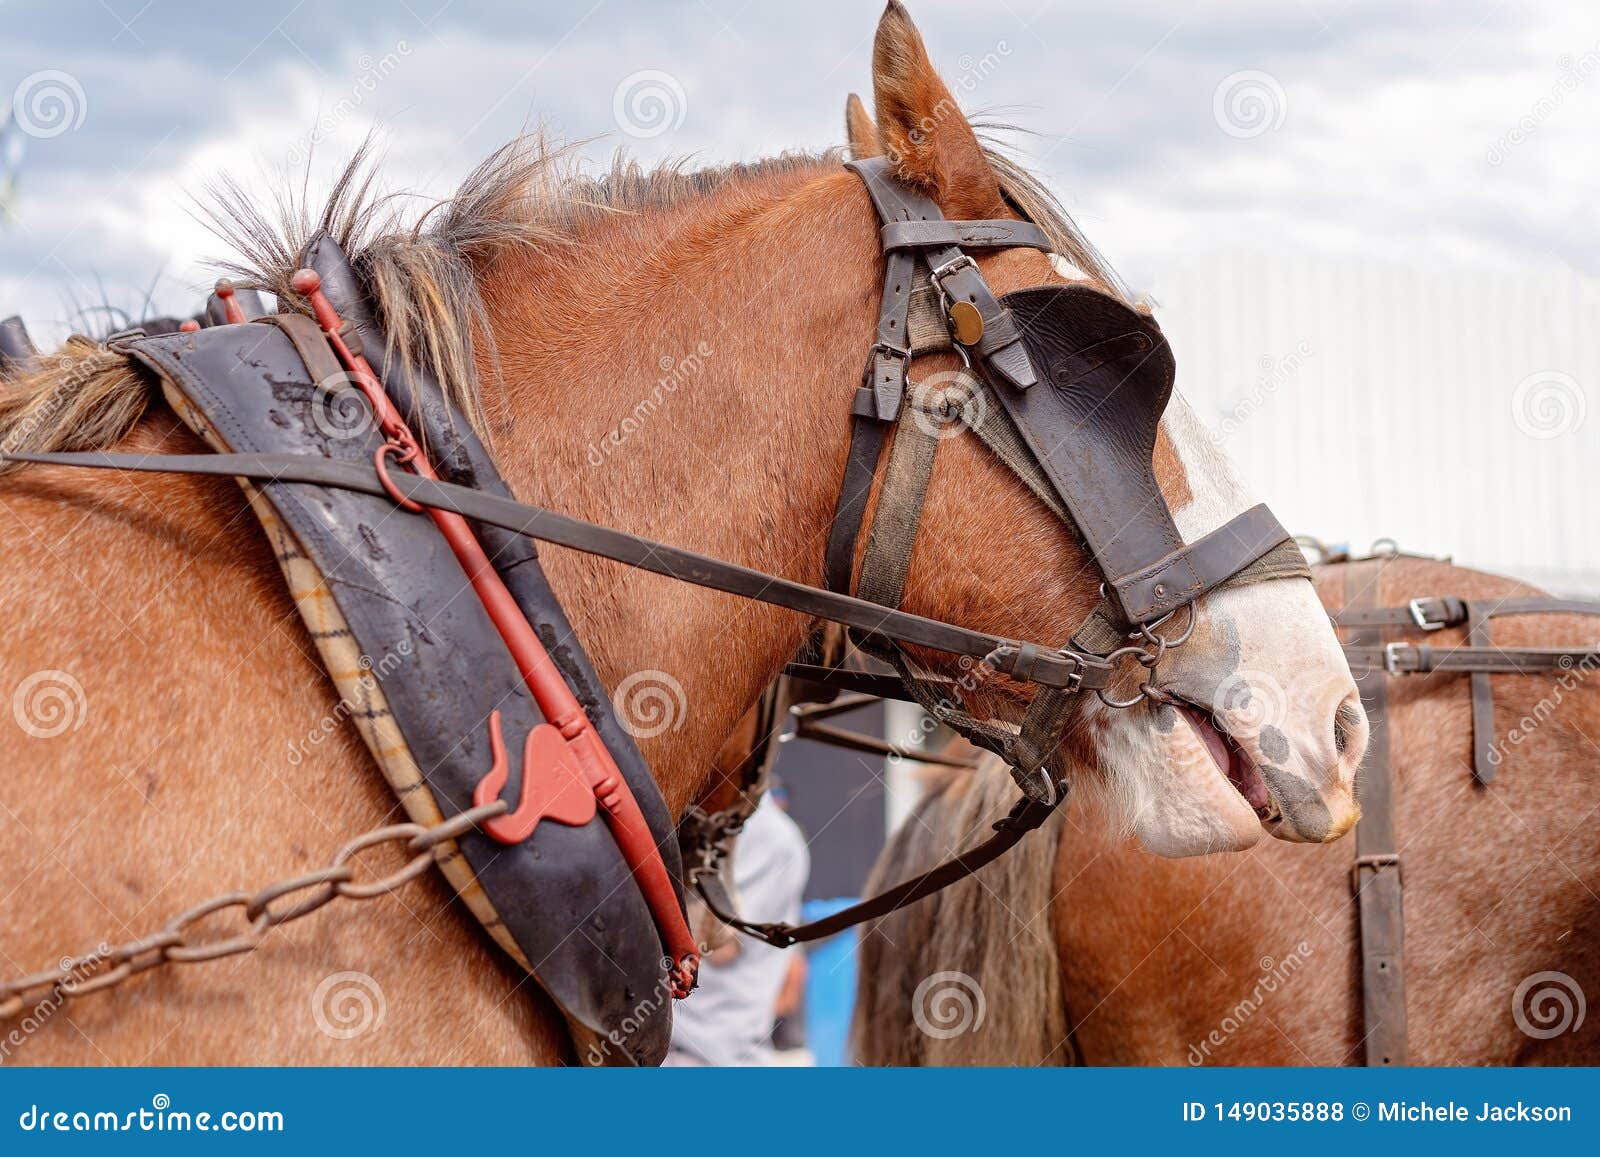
<point x="830" y="987"/>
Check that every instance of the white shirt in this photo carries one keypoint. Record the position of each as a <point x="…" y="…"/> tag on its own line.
<point x="728" y="1019"/>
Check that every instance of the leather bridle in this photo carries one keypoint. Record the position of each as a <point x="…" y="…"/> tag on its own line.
<point x="1066" y="385"/>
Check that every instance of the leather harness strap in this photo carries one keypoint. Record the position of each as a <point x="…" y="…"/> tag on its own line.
<point x="1002" y="234"/>
<point x="887" y="560"/>
<point x="913" y="227"/>
<point x="1024" y="817"/>
<point x="1025" y="661"/>
<point x="1376" y="875"/>
<point x="1424" y="659"/>
<point x="952" y="271"/>
<point x="1479" y="658"/>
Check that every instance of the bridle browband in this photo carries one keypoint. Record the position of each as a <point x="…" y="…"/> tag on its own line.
<point x="1066" y="385"/>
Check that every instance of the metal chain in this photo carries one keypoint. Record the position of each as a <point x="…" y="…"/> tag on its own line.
<point x="174" y="943"/>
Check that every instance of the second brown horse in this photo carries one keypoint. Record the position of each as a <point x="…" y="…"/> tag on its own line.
<point x="1085" y="949"/>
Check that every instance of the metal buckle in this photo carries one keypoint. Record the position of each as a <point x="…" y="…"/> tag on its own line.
<point x="1377" y="861"/>
<point x="1419" y="616"/>
<point x="892" y="351"/>
<point x="1391" y="657"/>
<point x="887" y="396"/>
<point x="940" y="272"/>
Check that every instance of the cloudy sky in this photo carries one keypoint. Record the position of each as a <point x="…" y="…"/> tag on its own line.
<point x="1442" y="134"/>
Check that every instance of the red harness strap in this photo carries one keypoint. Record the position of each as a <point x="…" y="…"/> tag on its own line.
<point x="567" y="748"/>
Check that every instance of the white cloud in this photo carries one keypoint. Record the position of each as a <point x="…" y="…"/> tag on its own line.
<point x="1384" y="144"/>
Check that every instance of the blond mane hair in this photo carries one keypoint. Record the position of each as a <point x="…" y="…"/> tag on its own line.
<point x="422" y="266"/>
<point x="970" y="975"/>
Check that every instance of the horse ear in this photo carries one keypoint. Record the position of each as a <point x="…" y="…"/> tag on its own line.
<point x="923" y="130"/>
<point x="860" y="131"/>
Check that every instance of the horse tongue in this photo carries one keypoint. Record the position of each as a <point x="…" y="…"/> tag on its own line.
<point x="1232" y="762"/>
<point x="1213" y="740"/>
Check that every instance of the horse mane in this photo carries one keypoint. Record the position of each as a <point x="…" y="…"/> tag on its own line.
<point x="986" y="942"/>
<point x="422" y="265"/>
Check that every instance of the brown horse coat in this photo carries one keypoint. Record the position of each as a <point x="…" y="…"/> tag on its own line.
<point x="1253" y="959"/>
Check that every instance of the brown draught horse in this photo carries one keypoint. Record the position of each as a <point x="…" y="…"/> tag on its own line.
<point x="1097" y="952"/>
<point x="158" y="679"/>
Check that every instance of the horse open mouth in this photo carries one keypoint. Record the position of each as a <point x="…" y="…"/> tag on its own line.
<point x="1236" y="766"/>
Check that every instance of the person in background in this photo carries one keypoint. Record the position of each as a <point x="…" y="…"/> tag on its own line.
<point x="745" y="984"/>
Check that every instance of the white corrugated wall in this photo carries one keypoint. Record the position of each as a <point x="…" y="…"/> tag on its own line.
<point x="1456" y="412"/>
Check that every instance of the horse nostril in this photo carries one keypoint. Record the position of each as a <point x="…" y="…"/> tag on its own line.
<point x="1346" y="723"/>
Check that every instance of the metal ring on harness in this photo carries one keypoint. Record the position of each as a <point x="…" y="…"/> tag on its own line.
<point x="402" y="455"/>
<point x="1149" y="659"/>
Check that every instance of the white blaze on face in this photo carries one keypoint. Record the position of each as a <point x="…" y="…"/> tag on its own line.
<point x="1277" y="628"/>
<point x="1265" y="661"/>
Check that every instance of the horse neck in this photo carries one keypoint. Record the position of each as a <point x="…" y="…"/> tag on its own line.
<point x="686" y="375"/>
